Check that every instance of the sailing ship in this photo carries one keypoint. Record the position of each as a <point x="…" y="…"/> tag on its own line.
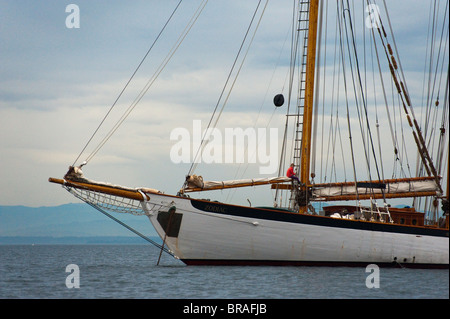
<point x="302" y="228"/>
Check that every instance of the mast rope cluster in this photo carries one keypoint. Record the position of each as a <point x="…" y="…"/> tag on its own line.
<point x="350" y="85"/>
<point x="402" y="91"/>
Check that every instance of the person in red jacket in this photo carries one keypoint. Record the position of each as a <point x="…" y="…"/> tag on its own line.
<point x="291" y="174"/>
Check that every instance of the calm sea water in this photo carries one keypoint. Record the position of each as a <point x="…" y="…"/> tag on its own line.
<point x="130" y="271"/>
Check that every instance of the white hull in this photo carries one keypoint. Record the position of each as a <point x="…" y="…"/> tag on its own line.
<point x="204" y="232"/>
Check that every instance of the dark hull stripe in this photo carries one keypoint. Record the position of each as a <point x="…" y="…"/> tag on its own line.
<point x="225" y="262"/>
<point x="287" y="217"/>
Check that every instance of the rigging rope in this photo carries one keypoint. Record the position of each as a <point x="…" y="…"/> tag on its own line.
<point x="128" y="82"/>
<point x="395" y="142"/>
<point x="431" y="91"/>
<point x="347" y="106"/>
<point x="152" y="79"/>
<point x="402" y="90"/>
<point x="294" y="45"/>
<point x="203" y="140"/>
<point x="104" y="212"/>
<point x="364" y="103"/>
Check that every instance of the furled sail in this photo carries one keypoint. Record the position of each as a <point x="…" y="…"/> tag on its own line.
<point x="391" y="188"/>
<point x="195" y="183"/>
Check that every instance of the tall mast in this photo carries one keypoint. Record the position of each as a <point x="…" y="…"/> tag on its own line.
<point x="309" y="94"/>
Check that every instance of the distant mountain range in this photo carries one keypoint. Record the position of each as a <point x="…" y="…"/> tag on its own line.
<point x="68" y="223"/>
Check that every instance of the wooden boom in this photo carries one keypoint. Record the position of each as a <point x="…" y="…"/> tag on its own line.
<point x="104" y="188"/>
<point x="390" y="188"/>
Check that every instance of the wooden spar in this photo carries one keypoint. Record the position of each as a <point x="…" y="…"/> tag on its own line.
<point x="225" y="186"/>
<point x="386" y="181"/>
<point x="373" y="196"/>
<point x="105" y="189"/>
<point x="369" y="194"/>
<point x="309" y="94"/>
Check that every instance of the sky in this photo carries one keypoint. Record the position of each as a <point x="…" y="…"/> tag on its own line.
<point x="57" y="83"/>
